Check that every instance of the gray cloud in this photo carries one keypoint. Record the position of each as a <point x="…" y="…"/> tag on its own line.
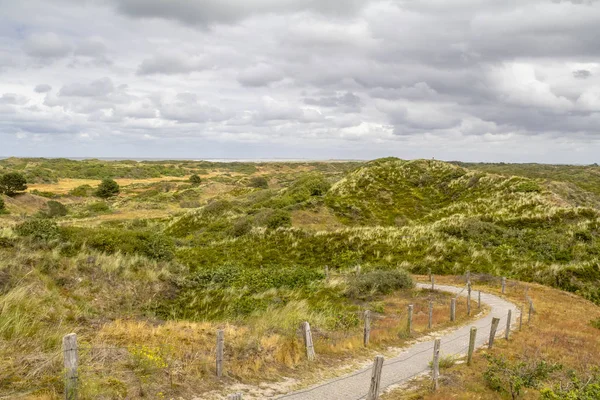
<point x="208" y="12"/>
<point x="582" y="74"/>
<point x="98" y="88"/>
<point x="358" y="78"/>
<point x="42" y="88"/>
<point x="46" y="45"/>
<point x="259" y="75"/>
<point x="346" y="102"/>
<point x="170" y="63"/>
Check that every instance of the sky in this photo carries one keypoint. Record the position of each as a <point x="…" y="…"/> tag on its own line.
<point x="470" y="80"/>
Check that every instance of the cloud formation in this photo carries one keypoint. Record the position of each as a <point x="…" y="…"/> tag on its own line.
<point x="468" y="79"/>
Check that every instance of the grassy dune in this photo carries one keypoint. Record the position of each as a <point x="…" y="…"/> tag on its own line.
<point x="150" y="274"/>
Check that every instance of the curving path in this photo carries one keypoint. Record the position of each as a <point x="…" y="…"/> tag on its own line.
<point x="415" y="359"/>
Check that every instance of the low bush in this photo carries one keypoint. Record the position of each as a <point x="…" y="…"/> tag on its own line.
<point x="512" y="377"/>
<point x="82" y="191"/>
<point x="38" y="228"/>
<point x="259" y="182"/>
<point x="55" y="209"/>
<point x="376" y="282"/>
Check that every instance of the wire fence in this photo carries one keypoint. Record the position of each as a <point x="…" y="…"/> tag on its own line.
<point x="146" y="360"/>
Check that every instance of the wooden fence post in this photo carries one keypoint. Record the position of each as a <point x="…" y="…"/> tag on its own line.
<point x="503" y="285"/>
<point x="432" y="282"/>
<point x="453" y="309"/>
<point x="429" y="273"/>
<point x="367" y="330"/>
<point x="430" y="323"/>
<point x="308" y="342"/>
<point x="375" y="379"/>
<point x="220" y="345"/>
<point x="479" y="300"/>
<point x="468" y="276"/>
<point x="71" y="360"/>
<point x="469" y="298"/>
<point x="507" y="330"/>
<point x="326" y="272"/>
<point x="530" y="311"/>
<point x="472" y="337"/>
<point x="236" y="396"/>
<point x="521" y="318"/>
<point x="436" y="363"/>
<point x="409" y="319"/>
<point x="358" y="270"/>
<point x="495" y="322"/>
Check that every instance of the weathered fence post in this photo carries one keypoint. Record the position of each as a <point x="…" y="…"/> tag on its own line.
<point x="375" y="379"/>
<point x="71" y="359"/>
<point x="469" y="298"/>
<point x="503" y="285"/>
<point x="468" y="276"/>
<point x="220" y="345"/>
<point x="495" y="322"/>
<point x="521" y="318"/>
<point x="507" y="331"/>
<point x="430" y="322"/>
<point x="358" y="270"/>
<point x="326" y="272"/>
<point x="435" y="365"/>
<point x="479" y="300"/>
<point x="236" y="396"/>
<point x="472" y="337"/>
<point x="367" y="330"/>
<point x="308" y="342"/>
<point x="429" y="273"/>
<point x="432" y="282"/>
<point x="453" y="309"/>
<point x="409" y="319"/>
<point x="530" y="311"/>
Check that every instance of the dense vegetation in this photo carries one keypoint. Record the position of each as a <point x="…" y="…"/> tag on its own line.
<point x="242" y="242"/>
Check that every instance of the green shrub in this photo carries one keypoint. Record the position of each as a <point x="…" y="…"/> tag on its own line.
<point x="577" y="389"/>
<point x="108" y="188"/>
<point x="82" y="191"/>
<point x="258" y="182"/>
<point x="49" y="195"/>
<point x="378" y="282"/>
<point x="38" y="228"/>
<point x="12" y="182"/>
<point x="595" y="323"/>
<point x="56" y="209"/>
<point x="512" y="377"/>
<point x="2" y="206"/>
<point x="273" y="218"/>
<point x="241" y="227"/>
<point x="195" y="180"/>
<point x="216" y="208"/>
<point x="98" y="207"/>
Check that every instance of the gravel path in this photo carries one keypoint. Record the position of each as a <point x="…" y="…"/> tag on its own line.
<point x="415" y="359"/>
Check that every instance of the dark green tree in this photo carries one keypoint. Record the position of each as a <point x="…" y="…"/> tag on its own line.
<point x="12" y="183"/>
<point x="195" y="180"/>
<point x="108" y="188"/>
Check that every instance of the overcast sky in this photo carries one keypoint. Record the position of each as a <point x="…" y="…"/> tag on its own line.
<point x="473" y="80"/>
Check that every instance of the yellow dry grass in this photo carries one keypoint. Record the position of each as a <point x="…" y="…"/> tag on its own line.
<point x="560" y="332"/>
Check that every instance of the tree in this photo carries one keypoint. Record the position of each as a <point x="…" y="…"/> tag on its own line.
<point x="195" y="180"/>
<point x="108" y="188"/>
<point x="2" y="206"/>
<point x="12" y="183"/>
